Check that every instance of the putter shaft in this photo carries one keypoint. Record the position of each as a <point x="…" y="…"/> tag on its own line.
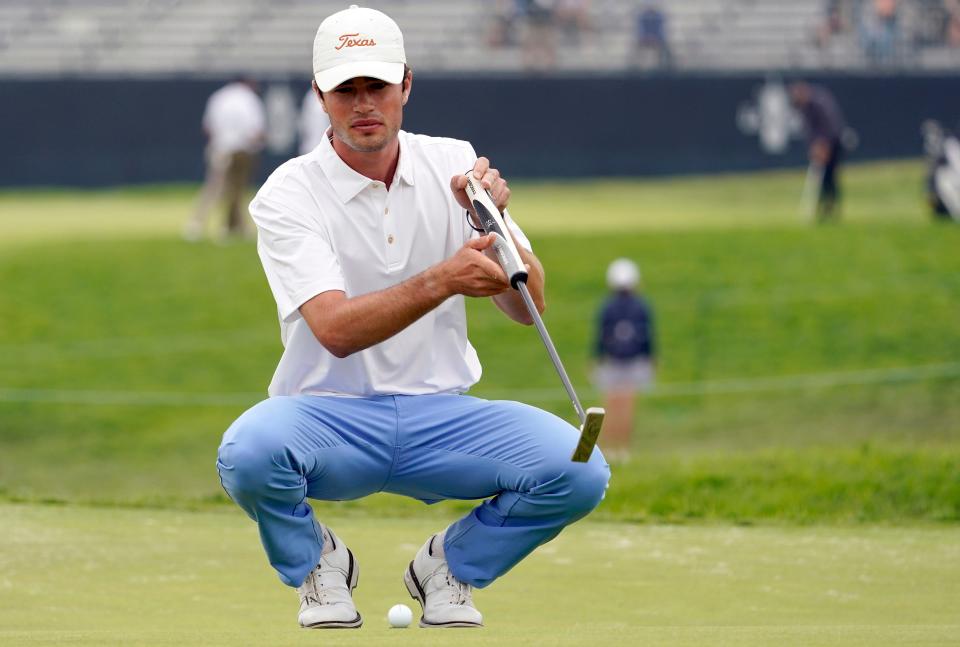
<point x="545" y="336"/>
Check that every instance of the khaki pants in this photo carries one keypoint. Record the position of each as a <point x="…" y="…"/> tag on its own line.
<point x="236" y="180"/>
<point x="228" y="175"/>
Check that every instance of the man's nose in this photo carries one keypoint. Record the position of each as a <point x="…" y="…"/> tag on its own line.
<point x="363" y="101"/>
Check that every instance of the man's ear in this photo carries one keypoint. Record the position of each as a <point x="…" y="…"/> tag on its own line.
<point x="407" y="85"/>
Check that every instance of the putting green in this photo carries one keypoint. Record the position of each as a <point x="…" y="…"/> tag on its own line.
<point x="101" y="576"/>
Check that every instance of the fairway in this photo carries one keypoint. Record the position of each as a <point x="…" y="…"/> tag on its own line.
<point x="84" y="576"/>
<point x="885" y="193"/>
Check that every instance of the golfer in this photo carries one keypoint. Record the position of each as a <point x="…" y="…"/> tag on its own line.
<point x="369" y="254"/>
<point x="825" y="125"/>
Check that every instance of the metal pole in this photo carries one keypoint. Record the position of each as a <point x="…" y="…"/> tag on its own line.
<point x="545" y="336"/>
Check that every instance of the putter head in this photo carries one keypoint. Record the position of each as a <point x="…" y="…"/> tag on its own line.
<point x="589" y="433"/>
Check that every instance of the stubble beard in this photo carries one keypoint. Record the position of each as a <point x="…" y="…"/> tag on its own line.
<point x="367" y="144"/>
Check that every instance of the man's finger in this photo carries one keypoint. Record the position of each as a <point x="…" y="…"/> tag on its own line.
<point x="501" y="195"/>
<point x="495" y="272"/>
<point x="481" y="243"/>
<point x="489" y="178"/>
<point x="480" y="168"/>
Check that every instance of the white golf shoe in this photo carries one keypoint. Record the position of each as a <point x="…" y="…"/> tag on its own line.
<point x="326" y="600"/>
<point x="446" y="601"/>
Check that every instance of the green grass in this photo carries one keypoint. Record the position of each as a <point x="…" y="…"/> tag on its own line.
<point x="806" y="373"/>
<point x="889" y="192"/>
<point x="81" y="576"/>
<point x="796" y="473"/>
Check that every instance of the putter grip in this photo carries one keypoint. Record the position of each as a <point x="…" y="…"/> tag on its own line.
<point x="493" y="223"/>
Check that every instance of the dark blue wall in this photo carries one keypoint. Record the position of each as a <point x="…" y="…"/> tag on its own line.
<point x="105" y="132"/>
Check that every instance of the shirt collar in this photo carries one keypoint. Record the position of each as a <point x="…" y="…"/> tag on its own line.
<point x="346" y="182"/>
<point x="405" y="167"/>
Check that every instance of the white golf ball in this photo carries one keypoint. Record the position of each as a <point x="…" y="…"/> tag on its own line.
<point x="399" y="616"/>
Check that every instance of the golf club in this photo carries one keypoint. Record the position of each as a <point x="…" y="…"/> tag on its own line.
<point x="492" y="222"/>
<point x="810" y="198"/>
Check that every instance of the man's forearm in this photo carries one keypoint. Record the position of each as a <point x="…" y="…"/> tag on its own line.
<point x="511" y="302"/>
<point x="352" y="324"/>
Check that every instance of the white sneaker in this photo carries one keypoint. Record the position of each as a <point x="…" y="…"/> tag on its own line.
<point x="445" y="600"/>
<point x="326" y="600"/>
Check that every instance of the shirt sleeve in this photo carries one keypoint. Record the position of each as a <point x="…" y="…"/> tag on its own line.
<point x="651" y="333"/>
<point x="951" y="150"/>
<point x="207" y="120"/>
<point x="297" y="256"/>
<point x="258" y="117"/>
<point x="518" y="234"/>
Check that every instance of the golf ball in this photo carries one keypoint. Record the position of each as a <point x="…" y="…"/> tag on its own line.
<point x="400" y="616"/>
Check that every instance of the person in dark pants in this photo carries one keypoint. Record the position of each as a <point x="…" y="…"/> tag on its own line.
<point x="625" y="352"/>
<point x="234" y="122"/>
<point x="825" y="124"/>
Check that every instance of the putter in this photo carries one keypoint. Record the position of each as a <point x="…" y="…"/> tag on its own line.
<point x="810" y="198"/>
<point x="492" y="222"/>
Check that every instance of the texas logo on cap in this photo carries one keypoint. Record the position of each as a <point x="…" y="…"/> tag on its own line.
<point x="357" y="42"/>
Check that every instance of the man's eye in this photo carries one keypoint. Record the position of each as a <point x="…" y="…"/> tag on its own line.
<point x="343" y="90"/>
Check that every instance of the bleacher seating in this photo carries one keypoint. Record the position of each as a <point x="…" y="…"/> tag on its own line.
<point x="213" y="37"/>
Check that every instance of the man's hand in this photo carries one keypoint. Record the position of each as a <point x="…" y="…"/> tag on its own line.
<point x="472" y="273"/>
<point x="489" y="179"/>
<point x="820" y="152"/>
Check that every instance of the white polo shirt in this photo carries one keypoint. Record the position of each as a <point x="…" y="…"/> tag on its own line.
<point x="235" y="119"/>
<point x="323" y="226"/>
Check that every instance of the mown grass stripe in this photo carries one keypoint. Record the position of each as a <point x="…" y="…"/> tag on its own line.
<point x="903" y="374"/>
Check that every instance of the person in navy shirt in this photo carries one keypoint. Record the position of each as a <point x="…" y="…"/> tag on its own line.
<point x="825" y="125"/>
<point x="625" y="351"/>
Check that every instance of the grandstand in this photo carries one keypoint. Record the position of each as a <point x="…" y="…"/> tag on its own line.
<point x="56" y="38"/>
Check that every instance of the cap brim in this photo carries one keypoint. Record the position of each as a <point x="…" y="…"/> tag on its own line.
<point x="329" y="79"/>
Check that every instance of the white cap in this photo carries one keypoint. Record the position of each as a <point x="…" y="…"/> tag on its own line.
<point x="357" y="42"/>
<point x="623" y="274"/>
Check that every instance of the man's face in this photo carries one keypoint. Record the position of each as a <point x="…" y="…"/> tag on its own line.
<point x="366" y="113"/>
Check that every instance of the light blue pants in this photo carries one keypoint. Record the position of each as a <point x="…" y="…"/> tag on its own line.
<point x="430" y="447"/>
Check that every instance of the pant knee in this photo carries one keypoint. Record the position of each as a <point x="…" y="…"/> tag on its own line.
<point x="243" y="469"/>
<point x="588" y="485"/>
<point x="252" y="457"/>
<point x="576" y="489"/>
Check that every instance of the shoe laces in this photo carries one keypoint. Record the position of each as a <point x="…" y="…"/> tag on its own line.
<point x="461" y="593"/>
<point x="314" y="590"/>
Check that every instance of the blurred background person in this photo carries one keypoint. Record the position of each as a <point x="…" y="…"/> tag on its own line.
<point x="234" y="122"/>
<point x="930" y="21"/>
<point x="943" y="170"/>
<point x="573" y="20"/>
<point x="836" y="20"/>
<point x="825" y="125"/>
<point x="539" y="37"/>
<point x="952" y="30"/>
<point x="879" y="30"/>
<point x="313" y="122"/>
<point x="502" y="31"/>
<point x="651" y="47"/>
<point x="625" y="353"/>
